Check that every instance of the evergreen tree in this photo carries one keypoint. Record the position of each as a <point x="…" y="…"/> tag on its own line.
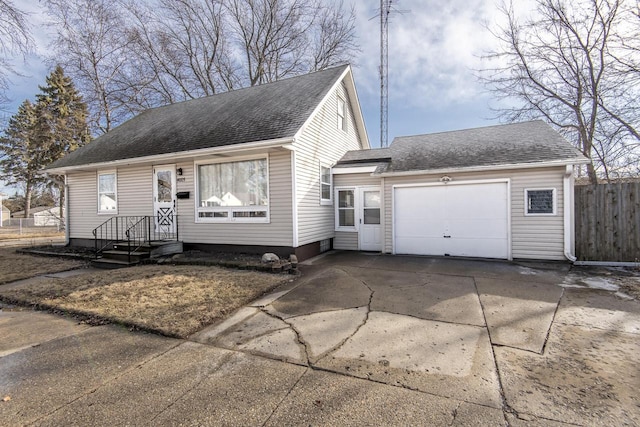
<point x="22" y="155"/>
<point x="41" y="133"/>
<point x="61" y="124"/>
<point x="61" y="121"/>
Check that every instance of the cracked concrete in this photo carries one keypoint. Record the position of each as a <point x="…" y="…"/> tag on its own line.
<point x="358" y="340"/>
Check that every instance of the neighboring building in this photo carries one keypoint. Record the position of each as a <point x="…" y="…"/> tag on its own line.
<point x="48" y="217"/>
<point x="286" y="167"/>
<point x="6" y="213"/>
<point x="32" y="211"/>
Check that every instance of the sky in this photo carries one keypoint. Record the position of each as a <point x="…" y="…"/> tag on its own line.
<point x="434" y="48"/>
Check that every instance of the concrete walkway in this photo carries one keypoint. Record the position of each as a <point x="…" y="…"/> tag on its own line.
<point x="359" y="340"/>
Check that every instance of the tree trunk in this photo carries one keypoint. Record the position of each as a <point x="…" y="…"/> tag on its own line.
<point x="591" y="173"/>
<point x="27" y="201"/>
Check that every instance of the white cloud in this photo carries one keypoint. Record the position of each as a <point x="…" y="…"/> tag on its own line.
<point x="433" y="50"/>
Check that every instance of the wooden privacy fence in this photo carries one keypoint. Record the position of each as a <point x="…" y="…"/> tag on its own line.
<point x="608" y="222"/>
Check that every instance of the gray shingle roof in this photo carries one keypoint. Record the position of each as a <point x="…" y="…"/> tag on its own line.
<point x="270" y="111"/>
<point x="518" y="143"/>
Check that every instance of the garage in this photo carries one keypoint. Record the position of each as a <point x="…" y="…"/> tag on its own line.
<point x="457" y="219"/>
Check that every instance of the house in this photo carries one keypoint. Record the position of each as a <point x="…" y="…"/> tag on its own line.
<point x="495" y="192"/>
<point x="48" y="217"/>
<point x="33" y="211"/>
<point x="286" y="167"/>
<point x="5" y="213"/>
<point x="246" y="170"/>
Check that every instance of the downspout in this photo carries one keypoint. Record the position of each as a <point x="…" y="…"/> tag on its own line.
<point x="568" y="210"/>
<point x="67" y="213"/>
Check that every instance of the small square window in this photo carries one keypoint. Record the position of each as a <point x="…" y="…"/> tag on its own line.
<point x="540" y="201"/>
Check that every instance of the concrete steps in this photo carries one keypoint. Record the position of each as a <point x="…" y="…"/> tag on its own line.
<point x="118" y="256"/>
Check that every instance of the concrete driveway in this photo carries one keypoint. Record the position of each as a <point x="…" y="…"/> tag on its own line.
<point x="358" y="340"/>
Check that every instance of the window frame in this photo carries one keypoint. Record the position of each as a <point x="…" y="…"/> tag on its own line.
<point x="230" y="210"/>
<point x="554" y="202"/>
<point x="342" y="118"/>
<point x="348" y="228"/>
<point x="115" y="192"/>
<point x="323" y="201"/>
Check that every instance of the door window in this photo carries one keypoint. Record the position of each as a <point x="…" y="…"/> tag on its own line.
<point x="371" y="207"/>
<point x="165" y="182"/>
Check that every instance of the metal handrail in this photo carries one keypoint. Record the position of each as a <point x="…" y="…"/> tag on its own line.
<point x="135" y="230"/>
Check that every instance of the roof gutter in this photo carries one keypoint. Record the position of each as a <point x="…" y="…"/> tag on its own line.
<point x="507" y="166"/>
<point x="235" y="148"/>
<point x="568" y="210"/>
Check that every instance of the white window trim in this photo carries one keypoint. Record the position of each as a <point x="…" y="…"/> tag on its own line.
<point x="329" y="201"/>
<point x="351" y="228"/>
<point x="113" y="172"/>
<point x="526" y="201"/>
<point x="230" y="209"/>
<point x="342" y="125"/>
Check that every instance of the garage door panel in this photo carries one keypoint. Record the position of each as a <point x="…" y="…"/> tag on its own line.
<point x="414" y="245"/>
<point x="476" y="228"/>
<point x="474" y="248"/>
<point x="473" y="216"/>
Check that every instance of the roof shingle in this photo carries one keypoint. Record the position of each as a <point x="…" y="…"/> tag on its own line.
<point x="518" y="143"/>
<point x="259" y="113"/>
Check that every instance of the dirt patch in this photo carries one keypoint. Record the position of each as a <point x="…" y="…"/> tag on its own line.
<point x="17" y="266"/>
<point x="173" y="300"/>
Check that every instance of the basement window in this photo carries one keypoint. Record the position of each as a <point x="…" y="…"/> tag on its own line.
<point x="540" y="201"/>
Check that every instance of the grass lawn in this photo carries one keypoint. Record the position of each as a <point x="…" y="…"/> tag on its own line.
<point x="12" y="234"/>
<point x="14" y="266"/>
<point x="173" y="300"/>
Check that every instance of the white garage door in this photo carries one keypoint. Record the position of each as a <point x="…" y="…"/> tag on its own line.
<point x="453" y="219"/>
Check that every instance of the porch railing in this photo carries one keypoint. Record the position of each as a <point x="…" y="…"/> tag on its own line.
<point x="134" y="232"/>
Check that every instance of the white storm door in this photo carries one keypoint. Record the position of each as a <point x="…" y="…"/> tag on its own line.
<point x="164" y="200"/>
<point x="370" y="230"/>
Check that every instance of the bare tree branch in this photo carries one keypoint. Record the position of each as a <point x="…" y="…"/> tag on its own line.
<point x="560" y="65"/>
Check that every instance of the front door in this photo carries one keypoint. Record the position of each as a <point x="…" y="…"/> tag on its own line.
<point x="164" y="201"/>
<point x="370" y="231"/>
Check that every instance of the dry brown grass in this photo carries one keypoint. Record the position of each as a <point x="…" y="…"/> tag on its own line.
<point x="14" y="266"/>
<point x="173" y="300"/>
<point x="13" y="235"/>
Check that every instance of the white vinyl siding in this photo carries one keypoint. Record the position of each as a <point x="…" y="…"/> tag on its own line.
<point x="535" y="237"/>
<point x="134" y="198"/>
<point x="345" y="241"/>
<point x="321" y="142"/>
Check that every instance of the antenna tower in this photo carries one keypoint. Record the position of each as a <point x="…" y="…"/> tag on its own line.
<point x="385" y="11"/>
